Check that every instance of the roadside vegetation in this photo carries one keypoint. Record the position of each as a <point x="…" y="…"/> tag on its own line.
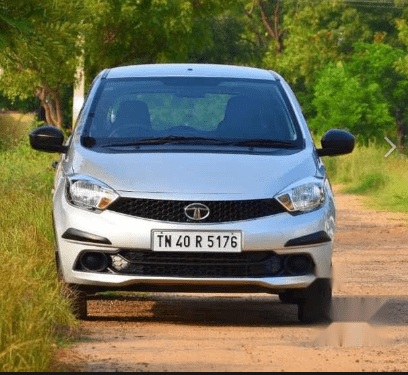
<point x="13" y="128"/>
<point x="367" y="172"/>
<point x="32" y="311"/>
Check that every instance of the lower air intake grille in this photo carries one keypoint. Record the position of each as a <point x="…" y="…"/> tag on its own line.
<point x="176" y="264"/>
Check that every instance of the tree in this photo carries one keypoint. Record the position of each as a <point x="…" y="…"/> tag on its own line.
<point x="43" y="59"/>
<point x="265" y="20"/>
<point x="401" y="66"/>
<point x="319" y="32"/>
<point x="378" y="63"/>
<point x="380" y="18"/>
<point x="367" y="94"/>
<point x="226" y="44"/>
<point x="148" y="31"/>
<point x="315" y="34"/>
<point x="343" y="101"/>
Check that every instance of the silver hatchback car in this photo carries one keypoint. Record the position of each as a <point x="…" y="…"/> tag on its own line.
<point x="194" y="178"/>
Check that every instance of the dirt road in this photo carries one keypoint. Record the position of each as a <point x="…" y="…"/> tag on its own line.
<point x="193" y="332"/>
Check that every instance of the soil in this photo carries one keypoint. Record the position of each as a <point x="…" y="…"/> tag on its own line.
<point x="255" y="332"/>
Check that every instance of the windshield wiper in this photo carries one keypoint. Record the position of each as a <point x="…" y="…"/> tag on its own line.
<point x="203" y="140"/>
<point x="169" y="139"/>
<point x="264" y="143"/>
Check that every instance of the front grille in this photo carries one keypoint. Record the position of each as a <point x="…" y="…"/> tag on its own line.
<point x="220" y="211"/>
<point x="178" y="264"/>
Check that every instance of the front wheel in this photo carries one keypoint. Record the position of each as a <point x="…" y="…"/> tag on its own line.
<point x="315" y="306"/>
<point x="78" y="300"/>
<point x="288" y="298"/>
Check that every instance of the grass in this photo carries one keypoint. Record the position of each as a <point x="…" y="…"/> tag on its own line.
<point x="367" y="172"/>
<point x="14" y="127"/>
<point x="32" y="310"/>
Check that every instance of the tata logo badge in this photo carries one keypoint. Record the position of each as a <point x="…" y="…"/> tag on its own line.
<point x="197" y="211"/>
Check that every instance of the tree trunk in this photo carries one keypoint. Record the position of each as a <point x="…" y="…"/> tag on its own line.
<point x="51" y="102"/>
<point x="401" y="131"/>
<point x="273" y="28"/>
<point x="278" y="31"/>
<point x="59" y="120"/>
<point x="43" y="96"/>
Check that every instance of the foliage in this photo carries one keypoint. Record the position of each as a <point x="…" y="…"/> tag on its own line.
<point x="402" y="64"/>
<point x="31" y="104"/>
<point x="147" y="31"/>
<point x="32" y="309"/>
<point x="43" y="58"/>
<point x="10" y="22"/>
<point x="315" y="33"/>
<point x="319" y="32"/>
<point x="366" y="95"/>
<point x="226" y="45"/>
<point x="381" y="19"/>
<point x="298" y="38"/>
<point x="343" y="101"/>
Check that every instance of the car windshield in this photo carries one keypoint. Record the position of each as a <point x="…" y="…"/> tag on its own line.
<point x="254" y="113"/>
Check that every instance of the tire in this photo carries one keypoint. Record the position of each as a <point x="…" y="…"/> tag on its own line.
<point x="58" y="267"/>
<point x="316" y="305"/>
<point x="78" y="300"/>
<point x="288" y="298"/>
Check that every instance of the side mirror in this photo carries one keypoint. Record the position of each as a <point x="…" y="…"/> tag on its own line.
<point x="48" y="139"/>
<point x="336" y="142"/>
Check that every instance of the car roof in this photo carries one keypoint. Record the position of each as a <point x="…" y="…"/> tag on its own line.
<point x="189" y="70"/>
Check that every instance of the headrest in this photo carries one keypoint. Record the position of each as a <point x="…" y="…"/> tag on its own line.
<point x="132" y="112"/>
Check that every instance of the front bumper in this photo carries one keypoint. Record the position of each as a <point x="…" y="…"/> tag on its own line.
<point x="268" y="234"/>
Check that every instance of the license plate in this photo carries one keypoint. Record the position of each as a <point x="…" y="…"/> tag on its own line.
<point x="229" y="242"/>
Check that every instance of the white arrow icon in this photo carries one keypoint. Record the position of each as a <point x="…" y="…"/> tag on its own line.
<point x="393" y="147"/>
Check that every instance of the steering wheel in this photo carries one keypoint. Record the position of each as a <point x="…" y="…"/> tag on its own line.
<point x="130" y="130"/>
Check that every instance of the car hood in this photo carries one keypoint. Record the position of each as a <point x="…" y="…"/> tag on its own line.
<point x="195" y="175"/>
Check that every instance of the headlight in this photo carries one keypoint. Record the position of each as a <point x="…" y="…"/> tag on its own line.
<point x="303" y="196"/>
<point x="88" y="193"/>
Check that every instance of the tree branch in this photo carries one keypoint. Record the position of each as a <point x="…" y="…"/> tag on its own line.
<point x="273" y="29"/>
<point x="253" y="28"/>
<point x="265" y="20"/>
<point x="42" y="95"/>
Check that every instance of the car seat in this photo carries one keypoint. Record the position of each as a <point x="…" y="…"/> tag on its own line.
<point x="242" y="118"/>
<point x="132" y="113"/>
